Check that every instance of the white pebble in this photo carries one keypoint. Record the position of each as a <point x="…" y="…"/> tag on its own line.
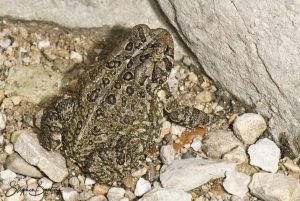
<point x="9" y="148"/>
<point x="249" y="126"/>
<point x="176" y="129"/>
<point x="115" y="194"/>
<point x="187" y="61"/>
<point x="88" y="181"/>
<point x="45" y="183"/>
<point x="43" y="44"/>
<point x="167" y="154"/>
<point x="5" y="43"/>
<point x="197" y="143"/>
<point x="74" y="182"/>
<point x="124" y="199"/>
<point x="7" y="175"/>
<point x="142" y="187"/>
<point x="69" y="194"/>
<point x="2" y="121"/>
<point x="77" y="57"/>
<point x="236" y="183"/>
<point x="264" y="154"/>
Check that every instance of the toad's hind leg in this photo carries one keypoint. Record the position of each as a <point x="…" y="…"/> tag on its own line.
<point x="54" y="122"/>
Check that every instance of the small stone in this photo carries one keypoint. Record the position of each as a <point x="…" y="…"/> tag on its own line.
<point x="18" y="165"/>
<point x="115" y="194"/>
<point x="2" y="121"/>
<point x="5" y="43"/>
<point x="98" y="198"/>
<point x="184" y="174"/>
<point x="45" y="183"/>
<point x="237" y="155"/>
<point x="166" y="127"/>
<point x="99" y="189"/>
<point x="16" y="100"/>
<point x="166" y="194"/>
<point x="236" y="183"/>
<point x="130" y="182"/>
<point x="187" y="61"/>
<point x="9" y="148"/>
<point x="176" y="129"/>
<point x="167" y="154"/>
<point x="275" y="187"/>
<point x="124" y="199"/>
<point x="88" y="181"/>
<point x="197" y="143"/>
<point x="27" y="145"/>
<point x="69" y="194"/>
<point x="12" y="195"/>
<point x="264" y="154"/>
<point x="74" y="182"/>
<point x="85" y="194"/>
<point x="204" y="96"/>
<point x="43" y="44"/>
<point x="130" y="195"/>
<point x="142" y="187"/>
<point x="219" y="142"/>
<point x="139" y="172"/>
<point x="77" y="57"/>
<point x="249" y="126"/>
<point x="289" y="164"/>
<point x="7" y="175"/>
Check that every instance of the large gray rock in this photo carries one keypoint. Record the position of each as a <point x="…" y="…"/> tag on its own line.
<point x="252" y="48"/>
<point x="188" y="174"/>
<point x="91" y="13"/>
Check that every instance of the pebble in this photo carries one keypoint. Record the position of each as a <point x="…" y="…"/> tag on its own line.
<point x="43" y="44"/>
<point x="99" y="189"/>
<point x="249" y="126"/>
<point x="167" y="154"/>
<point x="88" y="181"/>
<point x="185" y="174"/>
<point x="124" y="199"/>
<point x="74" y="182"/>
<point x="27" y="145"/>
<point x="69" y="194"/>
<point x="7" y="175"/>
<point x="166" y="127"/>
<point x="140" y="172"/>
<point x="9" y="148"/>
<point x="196" y="144"/>
<point x="237" y="155"/>
<point x="85" y="194"/>
<point x="289" y="164"/>
<point x="187" y="61"/>
<point x="1" y="140"/>
<point x="176" y="129"/>
<point x="5" y="43"/>
<point x="275" y="187"/>
<point x="98" y="198"/>
<point x="264" y="154"/>
<point x="45" y="183"/>
<point x="130" y="182"/>
<point x="75" y="56"/>
<point x="2" y="121"/>
<point x="219" y="142"/>
<point x="115" y="194"/>
<point x="18" y="165"/>
<point x="166" y="194"/>
<point x="142" y="187"/>
<point x="236" y="183"/>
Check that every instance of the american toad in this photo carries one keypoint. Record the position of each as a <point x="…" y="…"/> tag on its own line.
<point x="108" y="124"/>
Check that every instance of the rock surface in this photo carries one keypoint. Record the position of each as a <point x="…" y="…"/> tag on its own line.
<point x="219" y="142"/>
<point x="275" y="187"/>
<point x="27" y="145"/>
<point x="18" y="165"/>
<point x="264" y="154"/>
<point x="232" y="41"/>
<point x="166" y="194"/>
<point x="191" y="173"/>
